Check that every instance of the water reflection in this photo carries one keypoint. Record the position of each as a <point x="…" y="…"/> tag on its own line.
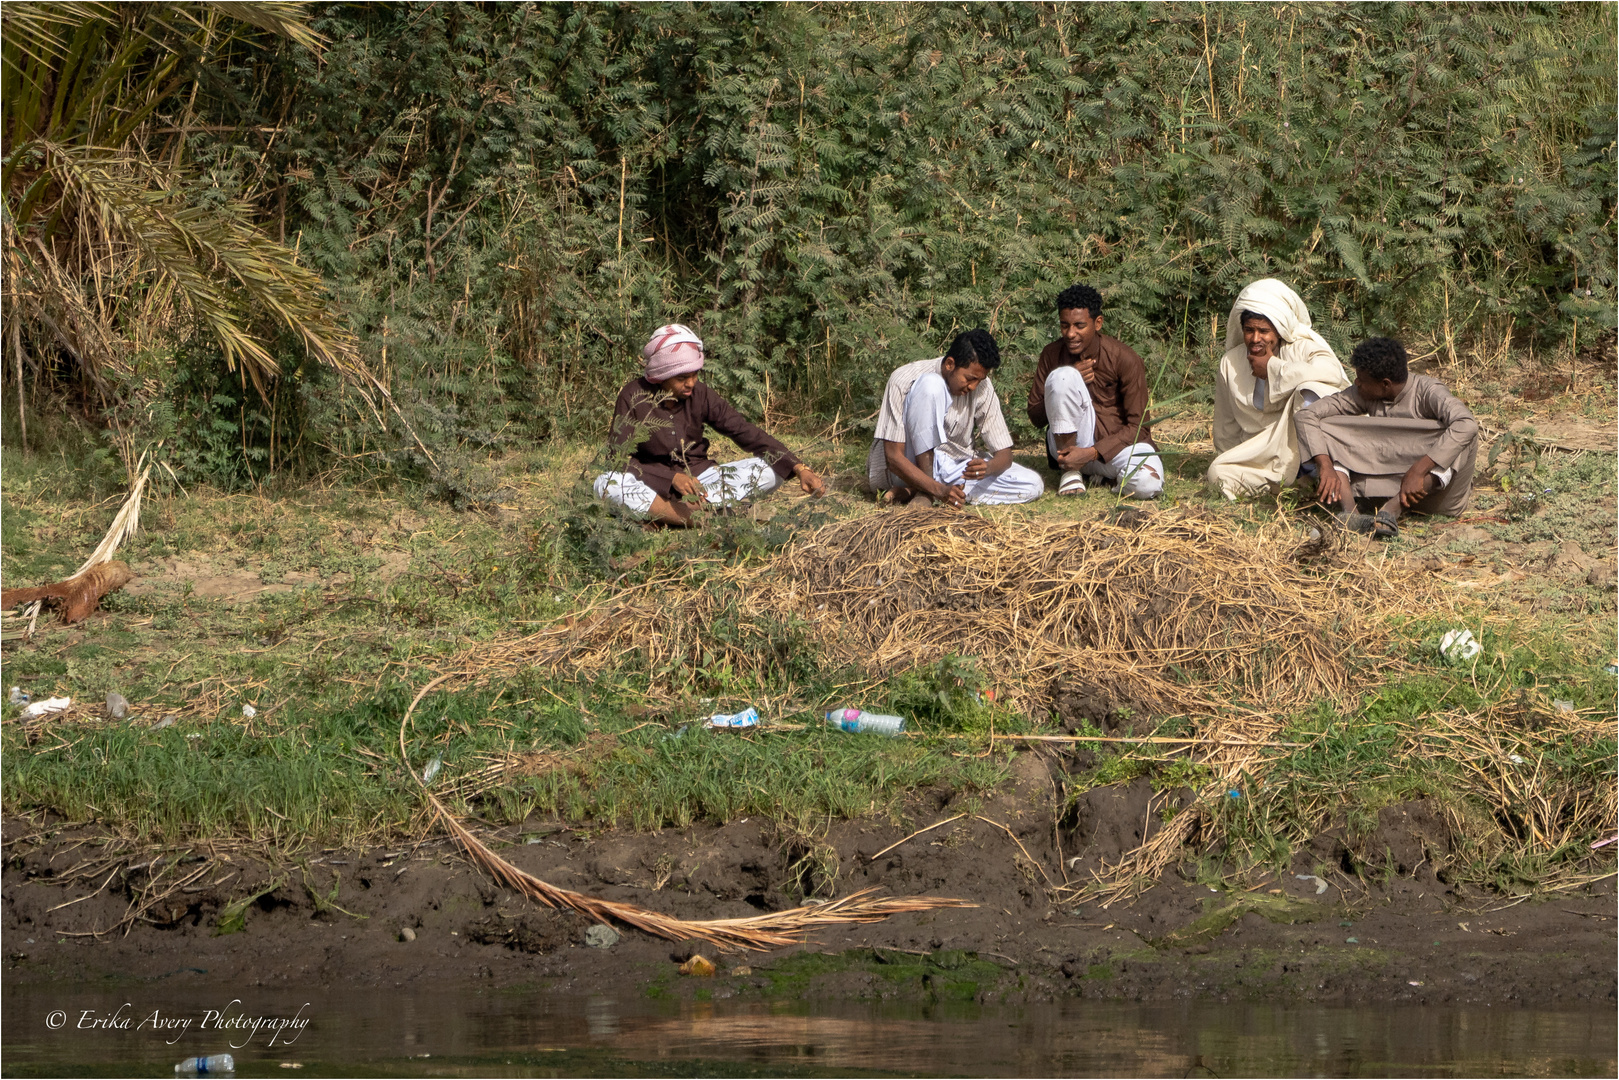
<point x="494" y="1034"/>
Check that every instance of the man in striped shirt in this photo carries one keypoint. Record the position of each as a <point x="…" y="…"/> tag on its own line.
<point x="924" y="438"/>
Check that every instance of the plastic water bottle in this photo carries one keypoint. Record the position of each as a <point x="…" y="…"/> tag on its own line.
<point x="856" y="720"/>
<point x="748" y="717"/>
<point x="207" y="1065"/>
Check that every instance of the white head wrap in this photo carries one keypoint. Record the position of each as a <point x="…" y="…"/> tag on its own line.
<point x="1303" y="356"/>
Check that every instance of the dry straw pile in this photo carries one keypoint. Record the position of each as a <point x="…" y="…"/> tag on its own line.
<point x="1186" y="612"/>
<point x="1181" y="613"/>
<point x="1176" y="604"/>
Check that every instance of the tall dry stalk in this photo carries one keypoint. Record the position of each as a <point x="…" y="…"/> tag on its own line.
<point x="755" y="932"/>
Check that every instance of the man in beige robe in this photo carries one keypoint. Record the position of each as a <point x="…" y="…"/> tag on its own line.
<point x="1398" y="439"/>
<point x="1275" y="364"/>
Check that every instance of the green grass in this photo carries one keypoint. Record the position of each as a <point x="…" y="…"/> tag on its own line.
<point x="310" y="773"/>
<point x="384" y="586"/>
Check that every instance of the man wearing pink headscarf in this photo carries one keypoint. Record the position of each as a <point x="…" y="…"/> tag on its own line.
<point x="660" y="417"/>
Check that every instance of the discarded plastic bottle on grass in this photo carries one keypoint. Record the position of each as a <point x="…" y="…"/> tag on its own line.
<point x="858" y="720"/>
<point x="748" y="717"/>
<point x="207" y="1065"/>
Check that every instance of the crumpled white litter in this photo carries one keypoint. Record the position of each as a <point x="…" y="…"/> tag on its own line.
<point x="1320" y="883"/>
<point x="1459" y="646"/>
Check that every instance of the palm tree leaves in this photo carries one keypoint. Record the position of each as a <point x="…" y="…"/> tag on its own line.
<point x="97" y="228"/>
<point x="215" y="261"/>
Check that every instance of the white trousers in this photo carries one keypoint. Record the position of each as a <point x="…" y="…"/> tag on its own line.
<point x="1137" y="467"/>
<point x="925" y="408"/>
<point x="723" y="484"/>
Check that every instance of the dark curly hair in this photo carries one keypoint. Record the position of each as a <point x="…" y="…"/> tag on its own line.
<point x="975" y="345"/>
<point x="1080" y="296"/>
<point x="1381" y="358"/>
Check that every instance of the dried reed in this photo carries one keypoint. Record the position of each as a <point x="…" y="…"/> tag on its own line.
<point x="1539" y="806"/>
<point x="757" y="932"/>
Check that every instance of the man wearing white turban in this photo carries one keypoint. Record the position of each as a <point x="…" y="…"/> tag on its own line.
<point x="660" y="417"/>
<point x="1275" y="364"/>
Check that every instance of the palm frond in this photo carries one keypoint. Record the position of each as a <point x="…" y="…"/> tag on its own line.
<point x="755" y="932"/>
<point x="220" y="265"/>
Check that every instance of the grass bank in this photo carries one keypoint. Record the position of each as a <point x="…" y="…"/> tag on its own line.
<point x="324" y="607"/>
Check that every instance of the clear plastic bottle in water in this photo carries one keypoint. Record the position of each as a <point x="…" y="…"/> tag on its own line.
<point x="859" y="720"/>
<point x="207" y="1065"/>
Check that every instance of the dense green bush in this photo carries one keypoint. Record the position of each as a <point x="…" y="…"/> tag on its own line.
<point x="507" y="198"/>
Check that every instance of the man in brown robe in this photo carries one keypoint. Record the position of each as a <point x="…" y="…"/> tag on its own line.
<point x="1090" y="390"/>
<point x="659" y="417"/>
<point x="1397" y="439"/>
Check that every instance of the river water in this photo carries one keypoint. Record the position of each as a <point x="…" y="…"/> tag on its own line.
<point x="136" y="1032"/>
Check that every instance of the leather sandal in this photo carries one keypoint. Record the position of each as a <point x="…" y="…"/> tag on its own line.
<point x="1354" y="521"/>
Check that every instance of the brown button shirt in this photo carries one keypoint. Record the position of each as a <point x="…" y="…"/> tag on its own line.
<point x="1118" y="392"/>
<point x="670" y="440"/>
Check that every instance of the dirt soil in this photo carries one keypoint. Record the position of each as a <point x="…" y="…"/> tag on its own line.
<point x="1372" y="922"/>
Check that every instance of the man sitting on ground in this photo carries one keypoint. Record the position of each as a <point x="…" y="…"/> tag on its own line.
<point x="1393" y="437"/>
<point x="1274" y="365"/>
<point x="660" y="416"/>
<point x="1091" y="391"/>
<point x="924" y="439"/>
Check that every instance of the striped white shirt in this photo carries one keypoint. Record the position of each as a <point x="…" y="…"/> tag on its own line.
<point x="981" y="408"/>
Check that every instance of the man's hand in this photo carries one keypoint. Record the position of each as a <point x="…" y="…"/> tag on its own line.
<point x="687" y="485"/>
<point x="954" y="494"/>
<point x="812" y="484"/>
<point x="1418" y="483"/>
<point x="1087" y="370"/>
<point x="977" y="469"/>
<point x="1074" y="457"/>
<point x="1331" y="486"/>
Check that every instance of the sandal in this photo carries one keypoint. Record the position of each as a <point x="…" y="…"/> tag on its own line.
<point x="1072" y="483"/>
<point x="1354" y="521"/>
<point x="1386" y="525"/>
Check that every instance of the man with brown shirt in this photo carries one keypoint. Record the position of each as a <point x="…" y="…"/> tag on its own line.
<point x="1392" y="437"/>
<point x="659" y="418"/>
<point x="1090" y="390"/>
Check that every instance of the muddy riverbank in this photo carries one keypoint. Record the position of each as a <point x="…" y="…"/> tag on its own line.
<point x="1371" y="922"/>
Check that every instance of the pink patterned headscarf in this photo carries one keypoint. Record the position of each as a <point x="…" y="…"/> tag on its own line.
<point x="673" y="350"/>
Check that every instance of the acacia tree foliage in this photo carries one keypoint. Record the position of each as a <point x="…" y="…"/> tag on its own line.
<point x="509" y="197"/>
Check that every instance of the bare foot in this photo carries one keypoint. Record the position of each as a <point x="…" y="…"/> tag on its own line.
<point x="898" y="496"/>
<point x="675" y="515"/>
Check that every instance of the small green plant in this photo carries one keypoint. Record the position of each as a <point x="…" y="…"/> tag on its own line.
<point x="1513" y="464"/>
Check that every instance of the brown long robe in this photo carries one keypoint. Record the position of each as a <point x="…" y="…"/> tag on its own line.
<point x="1379" y="441"/>
<point x="1119" y="392"/>
<point x="665" y="441"/>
